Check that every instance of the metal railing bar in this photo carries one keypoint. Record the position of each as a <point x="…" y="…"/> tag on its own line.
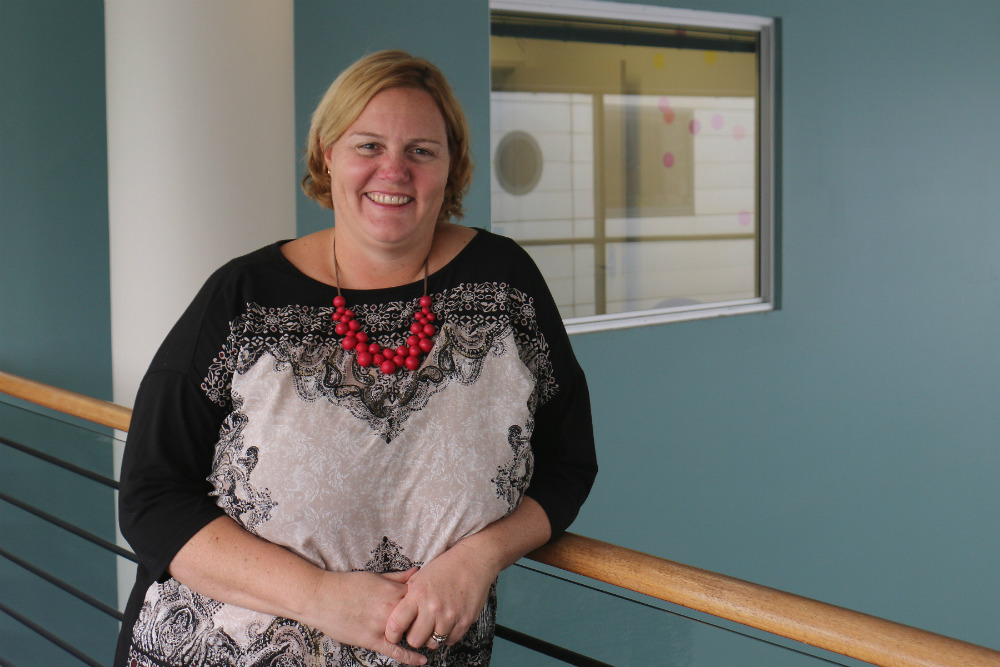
<point x="54" y="417"/>
<point x="546" y="648"/>
<point x="62" y="585"/>
<point x="54" y="460"/>
<point x="717" y="626"/>
<point x="65" y="525"/>
<point x="4" y="663"/>
<point x="51" y="638"/>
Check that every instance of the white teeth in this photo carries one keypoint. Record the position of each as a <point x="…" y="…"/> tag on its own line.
<point x="391" y="200"/>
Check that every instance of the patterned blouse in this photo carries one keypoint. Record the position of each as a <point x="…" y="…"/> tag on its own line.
<point x="252" y="409"/>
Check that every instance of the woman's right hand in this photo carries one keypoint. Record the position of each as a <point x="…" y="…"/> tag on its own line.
<point x="227" y="563"/>
<point x="352" y="607"/>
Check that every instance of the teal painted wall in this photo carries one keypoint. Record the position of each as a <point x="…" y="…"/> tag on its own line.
<point x="844" y="447"/>
<point x="54" y="314"/>
<point x="55" y="302"/>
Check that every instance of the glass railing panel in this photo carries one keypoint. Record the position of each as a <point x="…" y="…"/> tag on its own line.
<point x="33" y="488"/>
<point x="622" y="628"/>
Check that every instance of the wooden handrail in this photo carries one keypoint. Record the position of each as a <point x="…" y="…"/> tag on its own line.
<point x="823" y="625"/>
<point x="69" y="402"/>
<point x="819" y="624"/>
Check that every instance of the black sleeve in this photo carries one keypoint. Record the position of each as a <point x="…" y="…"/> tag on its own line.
<point x="565" y="457"/>
<point x="163" y="500"/>
<point x="563" y="437"/>
<point x="164" y="495"/>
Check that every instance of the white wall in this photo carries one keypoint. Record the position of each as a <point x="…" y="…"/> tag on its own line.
<point x="201" y="160"/>
<point x="200" y="152"/>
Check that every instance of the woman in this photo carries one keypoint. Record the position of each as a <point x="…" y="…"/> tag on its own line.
<point x="346" y="437"/>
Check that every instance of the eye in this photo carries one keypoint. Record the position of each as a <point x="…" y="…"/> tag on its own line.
<point x="421" y="151"/>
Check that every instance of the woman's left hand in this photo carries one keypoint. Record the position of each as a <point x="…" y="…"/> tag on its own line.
<point x="443" y="598"/>
<point x="447" y="594"/>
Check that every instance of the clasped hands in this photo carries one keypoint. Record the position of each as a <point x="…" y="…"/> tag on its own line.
<point x="421" y="605"/>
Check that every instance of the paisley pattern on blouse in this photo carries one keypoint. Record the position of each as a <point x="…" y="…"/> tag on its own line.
<point x="317" y="454"/>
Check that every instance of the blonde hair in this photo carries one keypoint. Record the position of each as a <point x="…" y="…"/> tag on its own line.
<point x="347" y="97"/>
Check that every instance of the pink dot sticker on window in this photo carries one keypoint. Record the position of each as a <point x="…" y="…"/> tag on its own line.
<point x="664" y="104"/>
<point x="745" y="218"/>
<point x="718" y="121"/>
<point x="739" y="132"/>
<point x="668" y="116"/>
<point x="668" y="160"/>
<point x="695" y="126"/>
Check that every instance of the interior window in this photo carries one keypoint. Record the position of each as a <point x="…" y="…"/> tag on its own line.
<point x="628" y="158"/>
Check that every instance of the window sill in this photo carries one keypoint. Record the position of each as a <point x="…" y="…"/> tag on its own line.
<point x="580" y="325"/>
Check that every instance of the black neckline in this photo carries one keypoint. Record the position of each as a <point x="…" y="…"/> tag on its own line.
<point x="380" y="293"/>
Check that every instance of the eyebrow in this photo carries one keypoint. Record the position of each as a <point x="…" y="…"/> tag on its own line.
<point x="374" y="135"/>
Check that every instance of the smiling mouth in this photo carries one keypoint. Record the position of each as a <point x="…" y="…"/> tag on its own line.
<point x="388" y="200"/>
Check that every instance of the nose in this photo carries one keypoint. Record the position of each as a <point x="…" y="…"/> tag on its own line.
<point x="394" y="167"/>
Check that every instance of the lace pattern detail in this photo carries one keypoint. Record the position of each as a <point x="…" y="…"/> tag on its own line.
<point x="477" y="320"/>
<point x="177" y="628"/>
<point x="513" y="477"/>
<point x="388" y="556"/>
<point x="242" y="500"/>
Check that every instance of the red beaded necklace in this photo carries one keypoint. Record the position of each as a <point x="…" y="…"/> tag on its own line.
<point x="367" y="352"/>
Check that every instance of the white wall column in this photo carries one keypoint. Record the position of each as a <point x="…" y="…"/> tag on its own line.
<point x="201" y="156"/>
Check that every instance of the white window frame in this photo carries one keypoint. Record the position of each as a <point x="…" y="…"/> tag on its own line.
<point x="765" y="27"/>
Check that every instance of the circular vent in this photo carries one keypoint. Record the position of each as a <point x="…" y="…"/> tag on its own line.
<point x="518" y="162"/>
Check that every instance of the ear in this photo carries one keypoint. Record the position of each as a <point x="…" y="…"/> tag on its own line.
<point x="327" y="158"/>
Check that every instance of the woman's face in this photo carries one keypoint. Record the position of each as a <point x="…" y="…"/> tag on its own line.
<point x="389" y="169"/>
